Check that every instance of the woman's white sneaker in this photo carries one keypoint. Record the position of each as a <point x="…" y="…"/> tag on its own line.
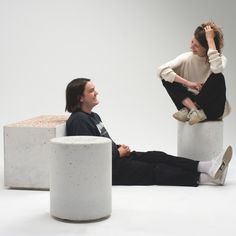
<point x="182" y="114"/>
<point x="196" y="116"/>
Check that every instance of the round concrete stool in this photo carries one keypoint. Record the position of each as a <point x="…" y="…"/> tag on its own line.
<point x="202" y="141"/>
<point x="80" y="178"/>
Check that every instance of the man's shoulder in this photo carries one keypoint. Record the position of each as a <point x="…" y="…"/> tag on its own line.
<point x="77" y="116"/>
<point x="95" y="115"/>
<point x="82" y="116"/>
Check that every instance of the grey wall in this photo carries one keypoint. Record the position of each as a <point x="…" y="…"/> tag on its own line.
<point x="119" y="44"/>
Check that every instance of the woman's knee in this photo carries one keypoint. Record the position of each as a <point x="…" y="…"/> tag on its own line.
<point x="216" y="80"/>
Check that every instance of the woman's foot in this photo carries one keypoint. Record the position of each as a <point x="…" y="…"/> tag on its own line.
<point x="195" y="116"/>
<point x="181" y="115"/>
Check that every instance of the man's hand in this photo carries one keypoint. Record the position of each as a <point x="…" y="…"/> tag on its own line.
<point x="124" y="150"/>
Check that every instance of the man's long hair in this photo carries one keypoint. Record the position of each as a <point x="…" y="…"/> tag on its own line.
<point x="74" y="91"/>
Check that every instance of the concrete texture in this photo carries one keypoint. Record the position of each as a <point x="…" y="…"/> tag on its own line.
<point x="27" y="151"/>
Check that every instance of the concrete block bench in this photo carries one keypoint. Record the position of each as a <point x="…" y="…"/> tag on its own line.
<point x="27" y="151"/>
<point x="202" y="141"/>
<point x="80" y="178"/>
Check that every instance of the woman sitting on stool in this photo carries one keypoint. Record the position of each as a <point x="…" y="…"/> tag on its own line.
<point x="194" y="80"/>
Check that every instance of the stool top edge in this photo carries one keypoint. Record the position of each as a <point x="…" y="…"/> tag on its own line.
<point x="43" y="121"/>
<point x="82" y="140"/>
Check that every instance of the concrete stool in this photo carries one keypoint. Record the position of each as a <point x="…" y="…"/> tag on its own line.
<point x="80" y="178"/>
<point x="202" y="141"/>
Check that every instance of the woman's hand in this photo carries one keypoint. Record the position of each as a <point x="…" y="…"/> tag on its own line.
<point x="210" y="37"/>
<point x="194" y="85"/>
<point x="124" y="150"/>
<point x="209" y="33"/>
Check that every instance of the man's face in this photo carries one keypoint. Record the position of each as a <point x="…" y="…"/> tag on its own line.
<point x="89" y="98"/>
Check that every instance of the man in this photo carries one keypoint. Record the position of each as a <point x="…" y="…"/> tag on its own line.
<point x="138" y="168"/>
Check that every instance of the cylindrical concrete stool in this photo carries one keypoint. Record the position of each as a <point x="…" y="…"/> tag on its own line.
<point x="80" y="178"/>
<point x="202" y="141"/>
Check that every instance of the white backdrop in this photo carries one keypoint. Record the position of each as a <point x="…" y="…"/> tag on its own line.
<point x="119" y="44"/>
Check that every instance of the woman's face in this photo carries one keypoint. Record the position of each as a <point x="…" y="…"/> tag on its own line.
<point x="197" y="49"/>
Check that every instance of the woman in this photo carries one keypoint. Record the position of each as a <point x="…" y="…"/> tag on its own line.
<point x="194" y="80"/>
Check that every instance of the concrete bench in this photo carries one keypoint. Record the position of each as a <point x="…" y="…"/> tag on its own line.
<point x="27" y="151"/>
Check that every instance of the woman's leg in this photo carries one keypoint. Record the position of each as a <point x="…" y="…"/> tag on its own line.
<point x="187" y="102"/>
<point x="177" y="92"/>
<point x="212" y="97"/>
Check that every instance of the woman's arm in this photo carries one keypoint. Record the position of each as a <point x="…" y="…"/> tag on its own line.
<point x="216" y="60"/>
<point x="210" y="37"/>
<point x="167" y="72"/>
<point x="189" y="84"/>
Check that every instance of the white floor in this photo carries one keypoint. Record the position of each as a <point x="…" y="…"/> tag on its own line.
<point x="144" y="210"/>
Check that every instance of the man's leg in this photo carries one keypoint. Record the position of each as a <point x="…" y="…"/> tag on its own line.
<point x="159" y="157"/>
<point x="149" y="168"/>
<point x="130" y="172"/>
<point x="175" y="176"/>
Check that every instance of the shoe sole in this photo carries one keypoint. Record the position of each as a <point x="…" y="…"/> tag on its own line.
<point x="222" y="181"/>
<point x="225" y="161"/>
